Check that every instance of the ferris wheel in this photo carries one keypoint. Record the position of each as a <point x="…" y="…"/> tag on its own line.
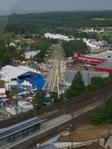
<point x="55" y="62"/>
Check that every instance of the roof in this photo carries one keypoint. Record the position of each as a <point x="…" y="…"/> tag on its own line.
<point x="6" y="132"/>
<point x="105" y="65"/>
<point x="11" y="72"/>
<point x="27" y="68"/>
<point x="104" y="55"/>
<point x="49" y="146"/>
<point x="27" y="74"/>
<point x="69" y="75"/>
<point x="57" y="36"/>
<point x="31" y="54"/>
<point x="87" y="75"/>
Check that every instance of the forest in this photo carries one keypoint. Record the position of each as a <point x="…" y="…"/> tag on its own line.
<point x="52" y="21"/>
<point x="66" y="23"/>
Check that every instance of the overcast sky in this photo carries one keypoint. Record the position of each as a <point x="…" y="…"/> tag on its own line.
<point x="54" y="5"/>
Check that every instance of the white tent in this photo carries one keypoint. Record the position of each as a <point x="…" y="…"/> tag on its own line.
<point x="26" y="83"/>
<point x="11" y="72"/>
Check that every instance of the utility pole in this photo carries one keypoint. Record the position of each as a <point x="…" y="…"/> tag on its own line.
<point x="87" y="78"/>
<point x="71" y="128"/>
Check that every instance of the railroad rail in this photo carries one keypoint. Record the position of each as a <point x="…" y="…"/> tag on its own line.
<point x="54" y="126"/>
<point x="64" y="107"/>
<point x="69" y="107"/>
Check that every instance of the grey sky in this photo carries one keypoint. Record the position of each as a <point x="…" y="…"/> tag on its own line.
<point x="54" y="5"/>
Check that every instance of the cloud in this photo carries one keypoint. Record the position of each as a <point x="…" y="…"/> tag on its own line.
<point x="8" y="4"/>
<point x="52" y="5"/>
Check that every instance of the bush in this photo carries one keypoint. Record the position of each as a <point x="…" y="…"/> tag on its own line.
<point x="98" y="117"/>
<point x="103" y="115"/>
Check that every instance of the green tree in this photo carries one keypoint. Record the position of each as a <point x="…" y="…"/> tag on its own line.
<point x="96" y="83"/>
<point x="98" y="117"/>
<point x="108" y="110"/>
<point x="103" y="115"/>
<point x="38" y="99"/>
<point x="69" y="93"/>
<point x="43" y="45"/>
<point x="78" y="83"/>
<point x="74" y="46"/>
<point x="77" y="87"/>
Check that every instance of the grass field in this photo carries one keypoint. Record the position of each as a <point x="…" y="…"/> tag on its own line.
<point x="102" y="19"/>
<point x="85" y="133"/>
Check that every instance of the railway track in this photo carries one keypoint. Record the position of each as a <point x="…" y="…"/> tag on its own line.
<point x="64" y="107"/>
<point x="68" y="107"/>
<point x="78" y="119"/>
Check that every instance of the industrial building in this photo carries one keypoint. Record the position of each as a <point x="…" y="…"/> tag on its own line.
<point x="104" y="67"/>
<point x="86" y="75"/>
<point x="93" y="59"/>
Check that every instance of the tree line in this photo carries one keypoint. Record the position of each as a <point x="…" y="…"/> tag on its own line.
<point x="9" y="53"/>
<point x="77" y="88"/>
<point x="38" y="23"/>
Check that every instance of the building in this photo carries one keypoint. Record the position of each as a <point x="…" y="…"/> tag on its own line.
<point x="86" y="75"/>
<point x="104" y="67"/>
<point x="93" y="59"/>
<point x="31" y="54"/>
<point x="93" y="30"/>
<point x="93" y="44"/>
<point x="96" y="46"/>
<point x="11" y="72"/>
<point x="17" y="75"/>
<point x="57" y="36"/>
<point x="87" y="59"/>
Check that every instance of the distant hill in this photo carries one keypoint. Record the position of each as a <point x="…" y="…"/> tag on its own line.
<point x="56" y="19"/>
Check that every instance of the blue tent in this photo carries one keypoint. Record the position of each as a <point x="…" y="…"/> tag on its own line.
<point x="37" y="81"/>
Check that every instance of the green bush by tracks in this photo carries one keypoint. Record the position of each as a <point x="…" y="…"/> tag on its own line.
<point x="103" y="115"/>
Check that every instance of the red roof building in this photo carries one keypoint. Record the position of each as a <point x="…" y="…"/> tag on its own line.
<point x="104" y="67"/>
<point x="87" y="59"/>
